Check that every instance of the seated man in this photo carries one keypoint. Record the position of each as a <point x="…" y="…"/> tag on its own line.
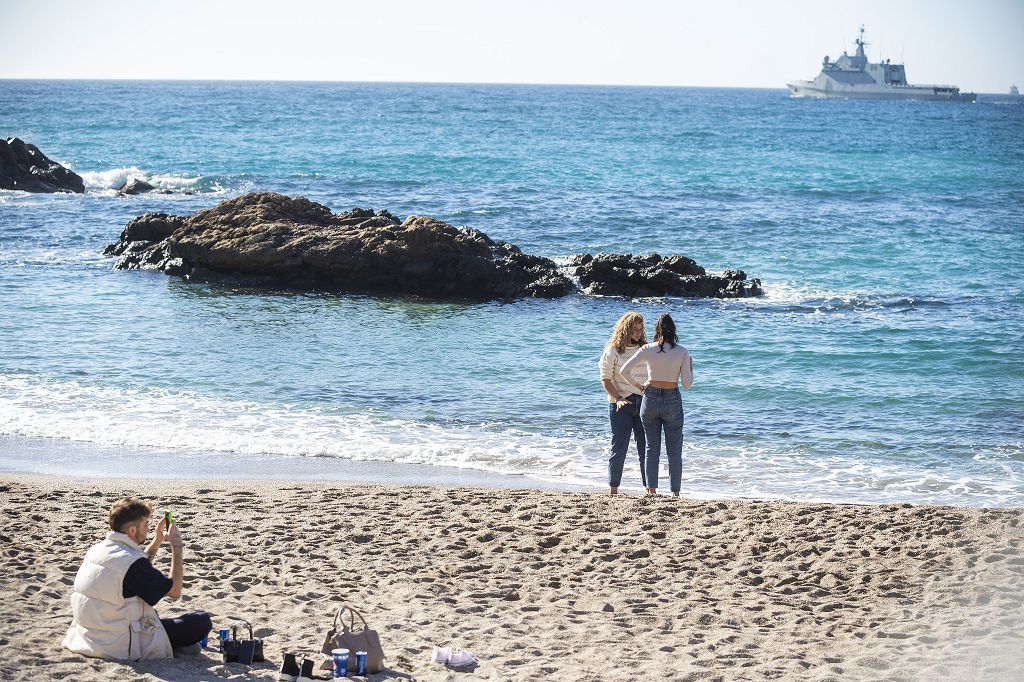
<point x="117" y="587"/>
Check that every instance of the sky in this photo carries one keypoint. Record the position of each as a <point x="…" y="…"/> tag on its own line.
<point x="727" y="43"/>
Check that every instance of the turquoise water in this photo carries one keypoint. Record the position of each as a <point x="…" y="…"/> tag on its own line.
<point x="884" y="363"/>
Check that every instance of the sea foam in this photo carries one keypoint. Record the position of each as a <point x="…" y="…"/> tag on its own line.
<point x="133" y="418"/>
<point x="115" y="178"/>
<point x="179" y="420"/>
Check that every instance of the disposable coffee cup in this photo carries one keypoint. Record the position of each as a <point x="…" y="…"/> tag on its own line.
<point x="224" y="635"/>
<point x="361" y="663"/>
<point x="340" y="657"/>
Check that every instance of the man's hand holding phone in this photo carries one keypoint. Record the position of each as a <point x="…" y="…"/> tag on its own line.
<point x="173" y="534"/>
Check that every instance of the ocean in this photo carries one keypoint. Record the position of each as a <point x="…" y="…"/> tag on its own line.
<point x="885" y="362"/>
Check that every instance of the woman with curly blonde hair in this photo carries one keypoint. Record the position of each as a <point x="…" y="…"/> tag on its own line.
<point x="623" y="399"/>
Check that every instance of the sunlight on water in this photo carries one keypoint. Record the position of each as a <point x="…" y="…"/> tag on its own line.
<point x="884" y="363"/>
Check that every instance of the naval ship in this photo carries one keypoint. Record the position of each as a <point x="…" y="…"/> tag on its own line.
<point x="857" y="78"/>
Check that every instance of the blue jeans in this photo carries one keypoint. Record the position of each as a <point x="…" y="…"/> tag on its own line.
<point x="624" y="422"/>
<point x="662" y="408"/>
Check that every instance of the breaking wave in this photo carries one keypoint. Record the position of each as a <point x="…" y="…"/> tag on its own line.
<point x="157" y="420"/>
<point x="109" y="181"/>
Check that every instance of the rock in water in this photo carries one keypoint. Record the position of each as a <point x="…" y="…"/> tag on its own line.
<point x="135" y="186"/>
<point x="268" y="239"/>
<point x="24" y="167"/>
<point x="618" y="274"/>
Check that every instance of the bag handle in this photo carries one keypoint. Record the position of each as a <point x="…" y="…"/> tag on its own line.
<point x="352" y="613"/>
<point x="234" y="629"/>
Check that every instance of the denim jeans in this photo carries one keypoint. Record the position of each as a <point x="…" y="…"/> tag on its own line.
<point x="662" y="408"/>
<point x="624" y="422"/>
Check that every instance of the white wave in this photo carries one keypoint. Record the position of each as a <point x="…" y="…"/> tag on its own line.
<point x="775" y="293"/>
<point x="158" y="418"/>
<point x="795" y="294"/>
<point x="9" y="196"/>
<point x="786" y="293"/>
<point x="49" y="257"/>
<point x="198" y="424"/>
<point x="115" y="178"/>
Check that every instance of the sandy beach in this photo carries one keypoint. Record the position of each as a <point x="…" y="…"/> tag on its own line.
<point x="541" y="584"/>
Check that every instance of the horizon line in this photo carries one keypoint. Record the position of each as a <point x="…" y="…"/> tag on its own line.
<point x="410" y="82"/>
<point x="381" y="82"/>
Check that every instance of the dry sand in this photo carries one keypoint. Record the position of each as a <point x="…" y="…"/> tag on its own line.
<point x="561" y="586"/>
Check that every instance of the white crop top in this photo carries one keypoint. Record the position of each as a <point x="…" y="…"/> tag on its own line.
<point x="672" y="365"/>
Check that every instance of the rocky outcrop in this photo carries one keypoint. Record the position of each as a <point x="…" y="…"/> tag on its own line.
<point x="24" y="167"/>
<point x="268" y="239"/>
<point x="616" y="274"/>
<point x="135" y="186"/>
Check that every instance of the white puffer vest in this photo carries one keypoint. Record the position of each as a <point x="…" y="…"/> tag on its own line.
<point x="105" y="623"/>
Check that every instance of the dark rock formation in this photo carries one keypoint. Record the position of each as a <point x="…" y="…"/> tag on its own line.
<point x="616" y="274"/>
<point x="149" y="227"/>
<point x="24" y="167"/>
<point x="135" y="186"/>
<point x="268" y="239"/>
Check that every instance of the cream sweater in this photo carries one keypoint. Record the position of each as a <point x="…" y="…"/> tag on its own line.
<point x="610" y="365"/>
<point x="674" y="364"/>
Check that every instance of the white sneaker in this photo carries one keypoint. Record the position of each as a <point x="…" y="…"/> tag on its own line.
<point x="461" y="659"/>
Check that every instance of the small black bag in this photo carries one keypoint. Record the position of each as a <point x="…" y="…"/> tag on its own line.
<point x="243" y="650"/>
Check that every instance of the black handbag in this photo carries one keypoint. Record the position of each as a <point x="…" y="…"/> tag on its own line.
<point x="243" y="650"/>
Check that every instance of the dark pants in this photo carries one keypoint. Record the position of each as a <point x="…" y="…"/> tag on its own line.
<point x="625" y="422"/>
<point x="187" y="629"/>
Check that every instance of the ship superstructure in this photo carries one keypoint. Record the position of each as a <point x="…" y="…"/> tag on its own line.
<point x="854" y="77"/>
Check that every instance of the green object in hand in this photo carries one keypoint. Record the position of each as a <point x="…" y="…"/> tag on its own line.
<point x="169" y="519"/>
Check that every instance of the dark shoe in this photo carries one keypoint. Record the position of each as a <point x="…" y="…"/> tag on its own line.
<point x="289" y="669"/>
<point x="306" y="674"/>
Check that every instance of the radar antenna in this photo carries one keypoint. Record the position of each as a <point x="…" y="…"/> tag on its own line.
<point x="859" y="42"/>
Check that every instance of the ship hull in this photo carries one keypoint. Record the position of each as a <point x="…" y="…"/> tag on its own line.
<point x="810" y="89"/>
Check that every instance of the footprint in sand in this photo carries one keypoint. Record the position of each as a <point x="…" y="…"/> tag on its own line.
<point x="550" y="541"/>
<point x="470" y="609"/>
<point x="894" y="635"/>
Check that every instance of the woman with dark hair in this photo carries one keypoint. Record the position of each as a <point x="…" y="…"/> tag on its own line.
<point x="668" y="363"/>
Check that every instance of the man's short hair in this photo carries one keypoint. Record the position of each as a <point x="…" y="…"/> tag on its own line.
<point x="128" y="510"/>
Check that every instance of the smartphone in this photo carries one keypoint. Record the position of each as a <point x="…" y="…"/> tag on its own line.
<point x="168" y="519"/>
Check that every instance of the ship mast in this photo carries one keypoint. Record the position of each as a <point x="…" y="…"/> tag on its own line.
<point x="860" y="60"/>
